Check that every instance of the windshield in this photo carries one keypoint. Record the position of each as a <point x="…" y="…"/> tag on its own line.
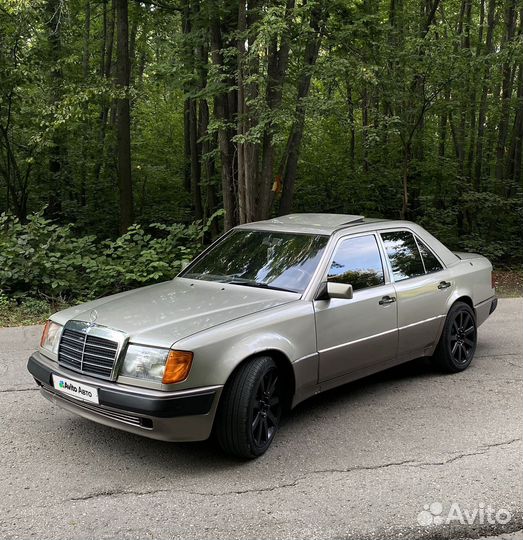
<point x="265" y="259"/>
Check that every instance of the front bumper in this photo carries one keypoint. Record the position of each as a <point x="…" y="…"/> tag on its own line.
<point x="186" y="415"/>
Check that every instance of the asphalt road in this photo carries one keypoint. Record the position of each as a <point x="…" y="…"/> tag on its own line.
<point x="357" y="462"/>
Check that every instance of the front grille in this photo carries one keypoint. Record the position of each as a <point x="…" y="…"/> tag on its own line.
<point x="87" y="353"/>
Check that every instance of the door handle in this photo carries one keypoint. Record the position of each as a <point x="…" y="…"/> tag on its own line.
<point x="387" y="300"/>
<point x="444" y="285"/>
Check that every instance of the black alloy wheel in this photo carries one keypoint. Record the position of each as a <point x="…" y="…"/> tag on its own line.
<point x="462" y="337"/>
<point x="458" y="340"/>
<point x="266" y="409"/>
<point x="250" y="408"/>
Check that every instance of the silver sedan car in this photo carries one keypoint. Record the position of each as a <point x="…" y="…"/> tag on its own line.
<point x="270" y="314"/>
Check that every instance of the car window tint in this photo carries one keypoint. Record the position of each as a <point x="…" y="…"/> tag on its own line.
<point x="403" y="255"/>
<point x="431" y="262"/>
<point x="357" y="262"/>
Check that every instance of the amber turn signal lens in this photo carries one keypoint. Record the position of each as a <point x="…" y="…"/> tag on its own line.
<point x="44" y="333"/>
<point x="177" y="366"/>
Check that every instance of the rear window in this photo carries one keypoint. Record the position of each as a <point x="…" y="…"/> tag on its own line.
<point x="403" y="253"/>
<point x="431" y="262"/>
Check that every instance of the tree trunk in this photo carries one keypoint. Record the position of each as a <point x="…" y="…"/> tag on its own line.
<point x="482" y="112"/>
<point x="195" y="65"/>
<point x="123" y="117"/>
<point x="87" y="40"/>
<point x="135" y="23"/>
<point x="506" y="91"/>
<point x="290" y="163"/>
<point x="242" y="158"/>
<point x="196" y="194"/>
<point x="208" y="168"/>
<point x="514" y="155"/>
<point x="352" y="127"/>
<point x="85" y="73"/>
<point x="277" y="62"/>
<point x="443" y="123"/>
<point x="54" y="38"/>
<point x="187" y="108"/>
<point x="248" y="150"/>
<point x="365" y="127"/>
<point x="407" y="156"/>
<point x="224" y="109"/>
<point x="106" y="65"/>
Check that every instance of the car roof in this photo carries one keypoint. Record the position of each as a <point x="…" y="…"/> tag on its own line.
<point x="338" y="224"/>
<point x="308" y="223"/>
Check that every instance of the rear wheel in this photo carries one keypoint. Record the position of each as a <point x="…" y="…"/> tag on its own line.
<point x="250" y="409"/>
<point x="457" y="344"/>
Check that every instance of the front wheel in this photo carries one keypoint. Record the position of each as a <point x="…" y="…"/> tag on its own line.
<point x="458" y="340"/>
<point x="250" y="409"/>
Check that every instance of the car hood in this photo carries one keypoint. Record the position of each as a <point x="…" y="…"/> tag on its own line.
<point x="164" y="313"/>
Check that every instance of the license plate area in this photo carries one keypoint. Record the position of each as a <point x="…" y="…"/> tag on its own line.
<point x="75" y="389"/>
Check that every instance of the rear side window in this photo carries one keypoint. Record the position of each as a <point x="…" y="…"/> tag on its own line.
<point x="431" y="262"/>
<point x="357" y="262"/>
<point x="403" y="253"/>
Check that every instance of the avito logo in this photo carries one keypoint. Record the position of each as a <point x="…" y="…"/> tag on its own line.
<point x="64" y="385"/>
<point x="69" y="387"/>
<point x="433" y="514"/>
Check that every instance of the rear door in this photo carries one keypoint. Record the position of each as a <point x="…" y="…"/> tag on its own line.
<point x="422" y="289"/>
<point x="355" y="334"/>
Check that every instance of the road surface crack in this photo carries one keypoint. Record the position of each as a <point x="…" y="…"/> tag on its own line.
<point x="494" y="356"/>
<point x="10" y="390"/>
<point x="116" y="493"/>
<point x="404" y="463"/>
<point x="123" y="492"/>
<point x="413" y="463"/>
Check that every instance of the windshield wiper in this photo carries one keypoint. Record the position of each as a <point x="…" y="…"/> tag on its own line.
<point x="257" y="284"/>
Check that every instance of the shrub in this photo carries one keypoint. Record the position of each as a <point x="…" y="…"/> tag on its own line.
<point x="42" y="259"/>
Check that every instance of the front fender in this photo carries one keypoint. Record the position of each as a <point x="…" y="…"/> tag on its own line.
<point x="288" y="329"/>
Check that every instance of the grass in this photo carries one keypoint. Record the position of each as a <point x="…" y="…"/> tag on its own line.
<point x="26" y="311"/>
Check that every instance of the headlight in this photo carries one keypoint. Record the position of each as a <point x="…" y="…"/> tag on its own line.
<point x="51" y="336"/>
<point x="160" y="365"/>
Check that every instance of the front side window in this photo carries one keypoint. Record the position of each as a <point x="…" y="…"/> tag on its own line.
<point x="403" y="253"/>
<point x="357" y="262"/>
<point x="264" y="259"/>
<point x="431" y="262"/>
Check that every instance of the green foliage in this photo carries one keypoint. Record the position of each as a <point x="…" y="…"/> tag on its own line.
<point x="389" y="100"/>
<point x="26" y="310"/>
<point x="139" y="258"/>
<point x="43" y="259"/>
<point x="391" y="110"/>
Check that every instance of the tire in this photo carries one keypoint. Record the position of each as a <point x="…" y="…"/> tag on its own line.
<point x="250" y="409"/>
<point x="457" y="344"/>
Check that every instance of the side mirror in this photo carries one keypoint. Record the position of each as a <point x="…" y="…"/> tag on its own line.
<point x="339" y="290"/>
<point x="330" y="289"/>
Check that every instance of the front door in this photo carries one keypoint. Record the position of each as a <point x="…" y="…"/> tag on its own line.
<point x="355" y="334"/>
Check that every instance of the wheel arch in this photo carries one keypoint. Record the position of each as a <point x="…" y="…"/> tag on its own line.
<point x="466" y="299"/>
<point x="463" y="297"/>
<point x="284" y="366"/>
<point x="440" y="353"/>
